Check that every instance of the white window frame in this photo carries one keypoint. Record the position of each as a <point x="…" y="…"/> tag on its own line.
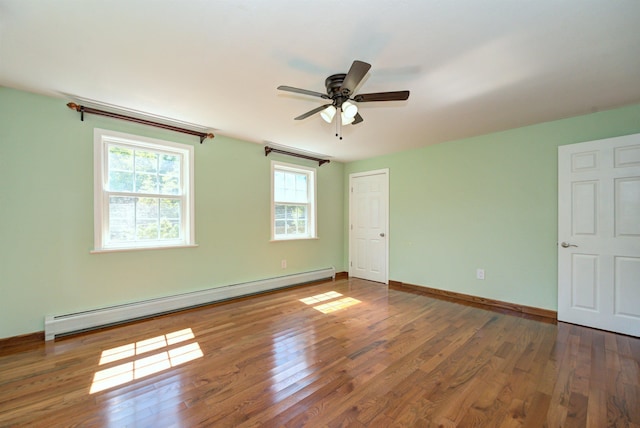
<point x="311" y="200"/>
<point x="102" y="139"/>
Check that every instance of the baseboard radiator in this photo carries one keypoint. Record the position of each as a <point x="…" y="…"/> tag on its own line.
<point x="59" y="325"/>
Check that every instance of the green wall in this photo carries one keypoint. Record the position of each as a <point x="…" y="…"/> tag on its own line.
<point x="485" y="202"/>
<point x="46" y="219"/>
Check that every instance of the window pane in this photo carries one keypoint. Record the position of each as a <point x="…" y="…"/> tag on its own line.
<point x="290" y="187"/>
<point x="301" y="196"/>
<point x="169" y="229"/>
<point x="146" y="161"/>
<point x="147" y="229"/>
<point x="122" y="218"/>
<point x="278" y="185"/>
<point x="169" y="185"/>
<point x="147" y="218"/>
<point x="120" y="181"/>
<point x="295" y="220"/>
<point x="146" y="183"/>
<point x="301" y="188"/>
<point x="296" y="211"/>
<point x="169" y="165"/>
<point x="147" y="209"/>
<point x="120" y="159"/>
<point x="169" y="209"/>
<point x="132" y="218"/>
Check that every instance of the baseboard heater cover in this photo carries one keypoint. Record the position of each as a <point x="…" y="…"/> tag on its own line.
<point x="58" y="325"/>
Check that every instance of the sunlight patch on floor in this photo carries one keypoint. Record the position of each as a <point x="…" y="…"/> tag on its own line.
<point x="336" y="305"/>
<point x="332" y="306"/>
<point x="148" y="365"/>
<point x="320" y="297"/>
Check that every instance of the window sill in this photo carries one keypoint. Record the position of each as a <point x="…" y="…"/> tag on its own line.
<point x="294" y="239"/>
<point x="119" y="250"/>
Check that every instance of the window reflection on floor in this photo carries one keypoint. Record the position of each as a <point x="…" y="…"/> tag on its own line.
<point x="293" y="352"/>
<point x="292" y="349"/>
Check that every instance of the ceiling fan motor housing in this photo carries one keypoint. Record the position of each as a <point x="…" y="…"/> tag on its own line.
<point x="333" y="84"/>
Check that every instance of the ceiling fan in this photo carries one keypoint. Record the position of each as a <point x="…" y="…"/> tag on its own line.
<point x="340" y="89"/>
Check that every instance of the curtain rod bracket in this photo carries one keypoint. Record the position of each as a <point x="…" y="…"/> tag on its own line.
<point x="204" y="136"/>
<point x="268" y="150"/>
<point x="83" y="110"/>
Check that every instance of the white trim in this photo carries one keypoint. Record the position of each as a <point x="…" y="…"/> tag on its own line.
<point x="102" y="138"/>
<point x="120" y="250"/>
<point x="113" y="108"/>
<point x="293" y="239"/>
<point x="372" y="172"/>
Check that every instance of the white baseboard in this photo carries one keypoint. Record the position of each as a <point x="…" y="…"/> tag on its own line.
<point x="56" y="325"/>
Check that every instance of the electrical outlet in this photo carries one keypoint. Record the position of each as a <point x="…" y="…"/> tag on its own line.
<point x="479" y="273"/>
<point x="283" y="264"/>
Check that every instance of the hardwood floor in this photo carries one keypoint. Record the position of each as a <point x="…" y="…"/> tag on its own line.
<point x="384" y="358"/>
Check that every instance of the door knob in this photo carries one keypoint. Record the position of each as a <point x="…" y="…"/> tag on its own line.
<point x="382" y="235"/>
<point x="567" y="245"/>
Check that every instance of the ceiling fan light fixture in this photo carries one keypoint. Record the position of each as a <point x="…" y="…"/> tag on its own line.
<point x="328" y="114"/>
<point x="346" y="120"/>
<point x="349" y="109"/>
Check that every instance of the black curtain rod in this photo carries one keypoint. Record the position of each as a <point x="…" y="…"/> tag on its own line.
<point x="89" y="110"/>
<point x="268" y="150"/>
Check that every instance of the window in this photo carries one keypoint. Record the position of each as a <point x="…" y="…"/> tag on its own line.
<point x="293" y="191"/>
<point x="143" y="192"/>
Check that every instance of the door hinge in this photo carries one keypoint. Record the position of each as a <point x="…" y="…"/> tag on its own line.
<point x="351" y="227"/>
<point x="351" y="264"/>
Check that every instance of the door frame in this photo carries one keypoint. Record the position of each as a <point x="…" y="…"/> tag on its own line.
<point x="385" y="172"/>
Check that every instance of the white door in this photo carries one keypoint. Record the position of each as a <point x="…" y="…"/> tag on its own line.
<point x="368" y="225"/>
<point x="599" y="234"/>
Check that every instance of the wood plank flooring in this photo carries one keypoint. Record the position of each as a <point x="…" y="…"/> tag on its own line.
<point x="376" y="357"/>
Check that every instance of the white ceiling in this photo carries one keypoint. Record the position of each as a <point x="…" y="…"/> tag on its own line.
<point x="472" y="66"/>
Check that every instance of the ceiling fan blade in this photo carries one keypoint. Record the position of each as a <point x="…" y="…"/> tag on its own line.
<point x="303" y="91"/>
<point x="382" y="96"/>
<point x="312" y="112"/>
<point x="354" y="76"/>
<point x="357" y="119"/>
